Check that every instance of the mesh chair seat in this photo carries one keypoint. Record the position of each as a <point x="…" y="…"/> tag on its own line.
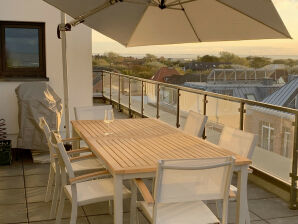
<point x="195" y="212"/>
<point x="83" y="166"/>
<point x="95" y="191"/>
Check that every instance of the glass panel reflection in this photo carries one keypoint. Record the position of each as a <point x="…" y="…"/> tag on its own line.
<point x="22" y="47"/>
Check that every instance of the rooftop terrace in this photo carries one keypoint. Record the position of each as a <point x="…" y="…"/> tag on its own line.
<point x="23" y="184"/>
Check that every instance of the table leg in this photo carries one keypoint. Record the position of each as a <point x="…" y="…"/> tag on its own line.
<point x="118" y="200"/>
<point x="242" y="207"/>
<point x="75" y="144"/>
<point x="133" y="200"/>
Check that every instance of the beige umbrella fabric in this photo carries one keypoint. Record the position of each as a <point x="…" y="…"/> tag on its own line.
<point x="143" y="22"/>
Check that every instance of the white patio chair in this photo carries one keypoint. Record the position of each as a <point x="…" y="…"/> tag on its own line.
<point x="81" y="190"/>
<point x="86" y="164"/>
<point x="195" y="124"/>
<point x="91" y="113"/>
<point x="241" y="143"/>
<point x="180" y="188"/>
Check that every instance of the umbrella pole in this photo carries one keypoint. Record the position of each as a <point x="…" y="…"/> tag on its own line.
<point x="65" y="79"/>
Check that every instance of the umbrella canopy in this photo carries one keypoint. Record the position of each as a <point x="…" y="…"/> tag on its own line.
<point x="145" y="22"/>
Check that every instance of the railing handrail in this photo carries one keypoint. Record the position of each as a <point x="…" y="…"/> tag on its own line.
<point x="216" y="95"/>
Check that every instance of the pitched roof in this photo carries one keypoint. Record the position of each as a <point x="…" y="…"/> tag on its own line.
<point x="284" y="95"/>
<point x="164" y="72"/>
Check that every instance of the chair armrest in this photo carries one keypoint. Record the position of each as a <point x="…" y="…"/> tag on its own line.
<point x="144" y="191"/>
<point x="79" y="158"/>
<point x="75" y="139"/>
<point x="75" y="151"/>
<point x="232" y="194"/>
<point x="89" y="176"/>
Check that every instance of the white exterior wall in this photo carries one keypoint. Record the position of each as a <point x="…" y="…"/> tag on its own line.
<point x="79" y="50"/>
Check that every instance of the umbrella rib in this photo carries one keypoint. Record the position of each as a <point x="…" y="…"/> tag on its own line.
<point x="190" y="23"/>
<point x="286" y="35"/>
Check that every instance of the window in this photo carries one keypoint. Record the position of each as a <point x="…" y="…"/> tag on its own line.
<point x="267" y="135"/>
<point x="251" y="96"/>
<point x="286" y="141"/>
<point x="22" y="50"/>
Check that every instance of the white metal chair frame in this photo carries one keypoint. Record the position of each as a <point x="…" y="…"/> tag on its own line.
<point x="54" y="174"/>
<point x="229" y="163"/>
<point x="65" y="165"/>
<point x="226" y="141"/>
<point x="195" y="124"/>
<point x="98" y="112"/>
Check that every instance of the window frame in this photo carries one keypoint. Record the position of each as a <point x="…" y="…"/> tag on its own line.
<point x="267" y="142"/>
<point x="19" y="74"/>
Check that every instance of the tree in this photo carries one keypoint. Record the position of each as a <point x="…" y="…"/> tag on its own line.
<point x="227" y="57"/>
<point x="258" y="62"/>
<point x="209" y="58"/>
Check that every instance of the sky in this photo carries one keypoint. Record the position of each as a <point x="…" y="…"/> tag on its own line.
<point x="281" y="48"/>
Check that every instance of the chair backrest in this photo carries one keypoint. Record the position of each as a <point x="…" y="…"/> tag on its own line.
<point x="195" y="124"/>
<point x="91" y="113"/>
<point x="240" y="142"/>
<point x="47" y="131"/>
<point x="63" y="158"/>
<point x="193" y="180"/>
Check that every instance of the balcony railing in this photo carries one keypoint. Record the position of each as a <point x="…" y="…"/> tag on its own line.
<point x="276" y="127"/>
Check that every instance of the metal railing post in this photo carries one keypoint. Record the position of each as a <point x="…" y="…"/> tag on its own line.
<point x="119" y="105"/>
<point x="242" y="111"/>
<point x="293" y="175"/>
<point x="142" y="100"/>
<point x="102" y="85"/>
<point x="178" y="109"/>
<point x="157" y="101"/>
<point x="205" y="101"/>
<point x="129" y="98"/>
<point x="110" y="88"/>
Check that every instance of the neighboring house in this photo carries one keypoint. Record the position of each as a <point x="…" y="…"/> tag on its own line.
<point x="252" y="91"/>
<point x="164" y="72"/>
<point x="33" y="53"/>
<point x="275" y="129"/>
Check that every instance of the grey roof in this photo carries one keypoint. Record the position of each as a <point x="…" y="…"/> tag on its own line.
<point x="284" y="95"/>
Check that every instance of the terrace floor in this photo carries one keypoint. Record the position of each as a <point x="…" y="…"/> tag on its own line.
<point x="23" y="185"/>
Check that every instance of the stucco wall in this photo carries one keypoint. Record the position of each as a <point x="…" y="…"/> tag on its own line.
<point x="79" y="50"/>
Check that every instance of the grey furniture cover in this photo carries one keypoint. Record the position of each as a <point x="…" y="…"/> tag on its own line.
<point x="35" y="100"/>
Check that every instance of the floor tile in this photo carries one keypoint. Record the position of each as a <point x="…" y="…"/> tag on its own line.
<point x="286" y="220"/>
<point x="13" y="213"/>
<point x="11" y="182"/>
<point x="80" y="220"/>
<point x="97" y="209"/>
<point x="232" y="212"/>
<point x="40" y="180"/>
<point x="12" y="196"/>
<point x="35" y="194"/>
<point x="40" y="211"/>
<point x="271" y="208"/>
<point x="36" y="168"/>
<point x="107" y="219"/>
<point x="255" y="192"/>
<point x="259" y="222"/>
<point x="15" y="169"/>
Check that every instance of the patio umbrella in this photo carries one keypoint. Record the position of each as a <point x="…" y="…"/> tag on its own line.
<point x="152" y="22"/>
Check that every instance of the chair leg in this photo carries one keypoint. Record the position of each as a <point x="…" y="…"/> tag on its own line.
<point x="247" y="216"/>
<point x="133" y="200"/>
<point x="60" y="207"/>
<point x="110" y="207"/>
<point x="50" y="184"/>
<point x="58" y="188"/>
<point x="219" y="208"/>
<point x="74" y="212"/>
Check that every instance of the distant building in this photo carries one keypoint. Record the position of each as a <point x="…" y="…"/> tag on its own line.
<point x="164" y="72"/>
<point x="201" y="66"/>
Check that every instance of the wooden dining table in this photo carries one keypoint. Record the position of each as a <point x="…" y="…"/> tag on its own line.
<point x="135" y="146"/>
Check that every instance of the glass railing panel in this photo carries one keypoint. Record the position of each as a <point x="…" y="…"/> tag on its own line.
<point x="136" y="95"/>
<point x="115" y="87"/>
<point x="150" y="96"/>
<point x="124" y="91"/>
<point x="106" y="85"/>
<point x="220" y="113"/>
<point x="274" y="151"/>
<point x="190" y="101"/>
<point x="168" y="105"/>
